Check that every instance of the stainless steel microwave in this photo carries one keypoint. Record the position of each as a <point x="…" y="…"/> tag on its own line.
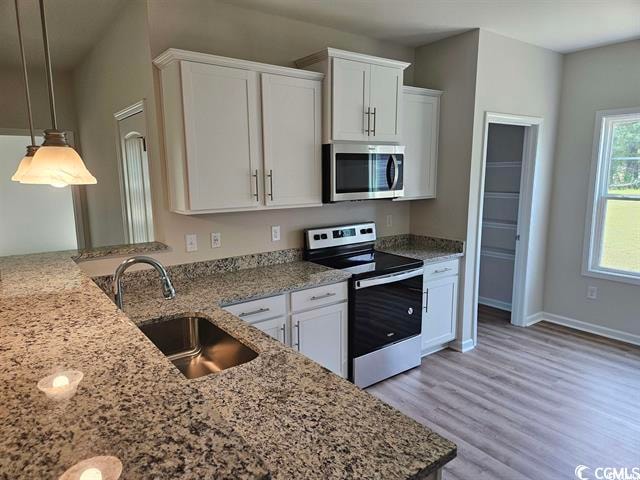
<point x="352" y="171"/>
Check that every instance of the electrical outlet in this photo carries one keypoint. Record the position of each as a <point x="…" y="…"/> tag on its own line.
<point x="275" y="233"/>
<point x="191" y="242"/>
<point x="216" y="240"/>
<point x="592" y="292"/>
<point x="389" y="220"/>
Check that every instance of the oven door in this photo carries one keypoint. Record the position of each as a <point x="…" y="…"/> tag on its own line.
<point x="366" y="172"/>
<point x="385" y="310"/>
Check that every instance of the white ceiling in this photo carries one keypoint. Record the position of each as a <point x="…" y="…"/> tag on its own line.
<point x="560" y="25"/>
<point x="74" y="27"/>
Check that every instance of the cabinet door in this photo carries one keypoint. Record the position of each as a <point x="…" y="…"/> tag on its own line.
<point x="321" y="335"/>
<point x="420" y="137"/>
<point x="222" y="130"/>
<point x="385" y="103"/>
<point x="350" y="100"/>
<point x="275" y="327"/>
<point x="291" y="119"/>
<point x="440" y="315"/>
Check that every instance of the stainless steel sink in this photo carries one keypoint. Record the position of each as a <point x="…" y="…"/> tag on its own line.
<point x="196" y="346"/>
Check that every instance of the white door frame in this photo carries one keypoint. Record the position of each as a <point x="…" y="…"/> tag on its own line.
<point x="530" y="154"/>
<point x="133" y="109"/>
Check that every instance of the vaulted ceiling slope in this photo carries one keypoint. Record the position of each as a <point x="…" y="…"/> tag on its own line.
<point x="74" y="27"/>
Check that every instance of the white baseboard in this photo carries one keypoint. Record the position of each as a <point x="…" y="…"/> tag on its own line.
<point x="490" y="302"/>
<point x="533" y="319"/>
<point x="463" y="346"/>
<point x="585" y="327"/>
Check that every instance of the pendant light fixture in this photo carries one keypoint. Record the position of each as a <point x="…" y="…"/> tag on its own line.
<point x="55" y="162"/>
<point x="25" y="163"/>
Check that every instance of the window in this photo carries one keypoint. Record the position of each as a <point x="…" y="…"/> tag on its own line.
<point x="613" y="234"/>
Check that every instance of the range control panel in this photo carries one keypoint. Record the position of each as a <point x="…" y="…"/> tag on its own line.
<point x="340" y="235"/>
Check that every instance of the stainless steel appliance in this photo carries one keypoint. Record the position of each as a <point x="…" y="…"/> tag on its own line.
<point x="352" y="171"/>
<point x="385" y="300"/>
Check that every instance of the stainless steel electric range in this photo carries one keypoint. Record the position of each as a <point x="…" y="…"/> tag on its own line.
<point x="385" y="300"/>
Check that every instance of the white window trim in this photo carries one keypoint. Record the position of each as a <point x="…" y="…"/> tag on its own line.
<point x="595" y="211"/>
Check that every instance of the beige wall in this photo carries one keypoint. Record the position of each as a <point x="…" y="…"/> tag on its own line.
<point x="596" y="79"/>
<point x="449" y="65"/>
<point x="13" y="106"/>
<point x="510" y="77"/>
<point x="207" y="26"/>
<point x="518" y="78"/>
<point x="222" y="29"/>
<point x="115" y="74"/>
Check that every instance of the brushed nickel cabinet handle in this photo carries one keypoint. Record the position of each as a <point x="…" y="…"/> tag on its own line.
<point x="254" y="312"/>
<point x="368" y="114"/>
<point x="270" y="175"/>
<point x="426" y="301"/>
<point x="297" y="327"/>
<point x="326" y="295"/>
<point x="373" y="131"/>
<point x="255" y="176"/>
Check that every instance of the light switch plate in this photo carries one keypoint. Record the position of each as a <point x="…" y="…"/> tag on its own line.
<point x="389" y="220"/>
<point x="191" y="242"/>
<point x="216" y="240"/>
<point x="592" y="292"/>
<point x="275" y="233"/>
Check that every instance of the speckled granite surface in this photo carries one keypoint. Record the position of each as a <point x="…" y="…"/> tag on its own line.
<point x="429" y="249"/>
<point x="183" y="274"/>
<point x="132" y="403"/>
<point x="280" y="414"/>
<point x="120" y="250"/>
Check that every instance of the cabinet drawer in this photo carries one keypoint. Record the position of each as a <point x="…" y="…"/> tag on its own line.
<point x="441" y="269"/>
<point x="319" y="296"/>
<point x="261" y="309"/>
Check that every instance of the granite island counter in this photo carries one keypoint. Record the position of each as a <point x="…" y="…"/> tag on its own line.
<point x="280" y="415"/>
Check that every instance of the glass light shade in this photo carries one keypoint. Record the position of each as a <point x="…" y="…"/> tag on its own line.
<point x="24" y="165"/>
<point x="57" y="166"/>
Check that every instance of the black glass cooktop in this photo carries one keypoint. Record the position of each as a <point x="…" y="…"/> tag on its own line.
<point x="370" y="263"/>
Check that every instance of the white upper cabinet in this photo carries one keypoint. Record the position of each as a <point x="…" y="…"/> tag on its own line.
<point x="219" y="113"/>
<point x="222" y="116"/>
<point x="291" y="112"/>
<point x="351" y="81"/>
<point x="385" y="103"/>
<point x="362" y="95"/>
<point x="420" y="119"/>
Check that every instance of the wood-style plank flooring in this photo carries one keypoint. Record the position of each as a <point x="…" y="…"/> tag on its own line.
<point x="527" y="403"/>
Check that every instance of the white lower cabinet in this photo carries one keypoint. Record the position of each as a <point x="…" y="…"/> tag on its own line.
<point x="274" y="327"/>
<point x="439" y="317"/>
<point x="321" y="335"/>
<point x="313" y="321"/>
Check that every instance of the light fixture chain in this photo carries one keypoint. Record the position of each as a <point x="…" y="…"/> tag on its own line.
<point x="47" y="59"/>
<point x="24" y="71"/>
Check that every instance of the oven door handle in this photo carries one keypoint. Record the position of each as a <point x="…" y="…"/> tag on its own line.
<point x="391" y="278"/>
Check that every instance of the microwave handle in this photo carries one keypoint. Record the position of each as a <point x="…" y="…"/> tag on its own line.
<point x="392" y="183"/>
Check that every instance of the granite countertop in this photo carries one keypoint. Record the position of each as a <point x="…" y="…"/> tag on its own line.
<point x="279" y="414"/>
<point x="428" y="249"/>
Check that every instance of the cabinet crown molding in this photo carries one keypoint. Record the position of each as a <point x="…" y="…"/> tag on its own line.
<point x="358" y="57"/>
<point x="422" y="91"/>
<point x="171" y="55"/>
